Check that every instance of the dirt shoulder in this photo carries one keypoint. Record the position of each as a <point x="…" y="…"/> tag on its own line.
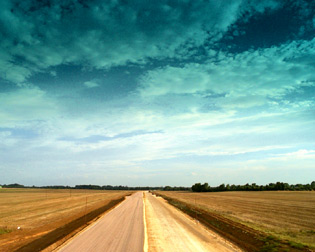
<point x="243" y="236"/>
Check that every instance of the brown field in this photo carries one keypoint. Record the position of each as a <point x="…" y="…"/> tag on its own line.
<point x="286" y="215"/>
<point x="40" y="211"/>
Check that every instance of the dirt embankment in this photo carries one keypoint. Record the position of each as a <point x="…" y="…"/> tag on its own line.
<point x="68" y="230"/>
<point x="244" y="237"/>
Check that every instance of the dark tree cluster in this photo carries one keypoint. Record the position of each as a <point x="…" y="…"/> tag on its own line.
<point x="279" y="186"/>
<point x="176" y="188"/>
<point x="120" y="187"/>
<point x="15" y="185"/>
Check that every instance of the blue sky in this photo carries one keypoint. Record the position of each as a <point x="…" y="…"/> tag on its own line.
<point x="157" y="92"/>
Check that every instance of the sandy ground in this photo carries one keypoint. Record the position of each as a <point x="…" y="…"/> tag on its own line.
<point x="121" y="230"/>
<point x="168" y="229"/>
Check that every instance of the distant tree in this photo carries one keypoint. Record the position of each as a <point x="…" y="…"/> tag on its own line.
<point x="198" y="187"/>
<point x="168" y="188"/>
<point x="279" y="186"/>
<point x="205" y="187"/>
<point x="307" y="187"/>
<point x="221" y="188"/>
<point x="271" y="186"/>
<point x="247" y="187"/>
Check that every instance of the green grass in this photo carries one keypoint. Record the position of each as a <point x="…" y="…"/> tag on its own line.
<point x="271" y="244"/>
<point x="4" y="230"/>
<point x="296" y="245"/>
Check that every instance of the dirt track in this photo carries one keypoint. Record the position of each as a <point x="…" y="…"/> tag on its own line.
<point x="171" y="230"/>
<point x="122" y="229"/>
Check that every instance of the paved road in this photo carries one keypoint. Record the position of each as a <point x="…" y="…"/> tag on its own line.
<point x="169" y="230"/>
<point x="121" y="230"/>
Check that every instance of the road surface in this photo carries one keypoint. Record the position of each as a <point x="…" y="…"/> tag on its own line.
<point x="153" y="227"/>
<point x="169" y="230"/>
<point x="120" y="230"/>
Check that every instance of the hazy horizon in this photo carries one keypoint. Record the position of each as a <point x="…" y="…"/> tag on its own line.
<point x="157" y="93"/>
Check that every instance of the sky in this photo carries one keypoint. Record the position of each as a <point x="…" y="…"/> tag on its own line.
<point x="157" y="93"/>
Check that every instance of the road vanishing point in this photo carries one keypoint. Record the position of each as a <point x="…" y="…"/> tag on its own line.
<point x="144" y="222"/>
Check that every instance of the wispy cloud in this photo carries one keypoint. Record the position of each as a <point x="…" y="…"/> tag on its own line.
<point x="91" y="84"/>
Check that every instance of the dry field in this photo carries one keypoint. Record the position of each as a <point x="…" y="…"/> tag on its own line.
<point x="286" y="215"/>
<point x="39" y="211"/>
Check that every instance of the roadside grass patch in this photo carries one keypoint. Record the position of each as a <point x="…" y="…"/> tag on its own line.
<point x="296" y="245"/>
<point x="271" y="244"/>
<point x="4" y="230"/>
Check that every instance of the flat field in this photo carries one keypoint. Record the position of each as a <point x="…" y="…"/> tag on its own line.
<point x="39" y="211"/>
<point x="286" y="215"/>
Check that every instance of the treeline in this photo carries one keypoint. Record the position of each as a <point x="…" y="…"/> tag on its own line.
<point x="279" y="186"/>
<point x="176" y="188"/>
<point x="120" y="187"/>
<point x="136" y="188"/>
<point x="13" y="186"/>
<point x="198" y="187"/>
<point x="104" y="187"/>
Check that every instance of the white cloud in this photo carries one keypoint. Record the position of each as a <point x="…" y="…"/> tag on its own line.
<point x="300" y="154"/>
<point x="174" y="80"/>
<point x="91" y="84"/>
